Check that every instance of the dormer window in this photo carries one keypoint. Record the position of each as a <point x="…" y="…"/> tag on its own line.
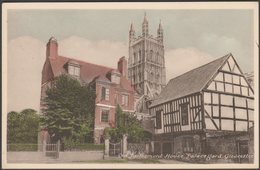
<point x="115" y="76"/>
<point x="73" y="68"/>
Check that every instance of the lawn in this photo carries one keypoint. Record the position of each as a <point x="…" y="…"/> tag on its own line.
<point x="108" y="161"/>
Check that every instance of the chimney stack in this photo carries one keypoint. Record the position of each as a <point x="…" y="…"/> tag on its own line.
<point x="52" y="48"/>
<point x="122" y="66"/>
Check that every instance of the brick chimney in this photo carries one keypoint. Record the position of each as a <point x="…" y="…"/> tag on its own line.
<point x="52" y="48"/>
<point x="122" y="66"/>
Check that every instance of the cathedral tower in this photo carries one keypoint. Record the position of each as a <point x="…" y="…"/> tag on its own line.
<point x="146" y="67"/>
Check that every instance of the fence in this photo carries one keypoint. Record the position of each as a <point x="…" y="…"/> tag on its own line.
<point x="137" y="148"/>
<point x="52" y="149"/>
<point x="115" y="148"/>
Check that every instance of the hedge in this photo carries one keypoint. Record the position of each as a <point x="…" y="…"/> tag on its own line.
<point x="22" y="147"/>
<point x="84" y="147"/>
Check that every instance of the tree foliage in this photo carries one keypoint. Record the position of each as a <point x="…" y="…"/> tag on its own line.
<point x="126" y="123"/>
<point x="22" y="127"/>
<point x="69" y="109"/>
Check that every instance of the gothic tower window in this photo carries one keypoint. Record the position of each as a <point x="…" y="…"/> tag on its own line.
<point x="157" y="77"/>
<point x="140" y="76"/>
<point x="157" y="56"/>
<point x="140" y="56"/>
<point x="135" y="58"/>
<point x="151" y="55"/>
<point x="152" y="77"/>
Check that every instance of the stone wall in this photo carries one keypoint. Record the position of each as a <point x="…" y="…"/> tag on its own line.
<point x="165" y="144"/>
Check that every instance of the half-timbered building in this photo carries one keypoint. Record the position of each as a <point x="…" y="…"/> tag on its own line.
<point x="209" y="109"/>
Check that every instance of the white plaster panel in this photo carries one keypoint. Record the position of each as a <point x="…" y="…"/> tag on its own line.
<point x="241" y="126"/>
<point x="227" y="124"/>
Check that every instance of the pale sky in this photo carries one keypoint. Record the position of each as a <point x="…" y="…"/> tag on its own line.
<point x="191" y="38"/>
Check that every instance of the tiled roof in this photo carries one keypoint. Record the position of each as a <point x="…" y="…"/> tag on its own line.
<point x="88" y="71"/>
<point x="190" y="82"/>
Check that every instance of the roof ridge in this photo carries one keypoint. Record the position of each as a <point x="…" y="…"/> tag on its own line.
<point x="87" y="62"/>
<point x="227" y="55"/>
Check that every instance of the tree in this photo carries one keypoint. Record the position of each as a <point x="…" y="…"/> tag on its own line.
<point x="126" y="123"/>
<point x="69" y="109"/>
<point x="22" y="127"/>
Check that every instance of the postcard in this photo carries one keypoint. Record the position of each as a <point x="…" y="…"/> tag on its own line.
<point x="130" y="85"/>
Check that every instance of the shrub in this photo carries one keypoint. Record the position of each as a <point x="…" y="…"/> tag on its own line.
<point x="22" y="147"/>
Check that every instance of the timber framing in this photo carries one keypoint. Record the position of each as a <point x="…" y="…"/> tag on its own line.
<point x="223" y="102"/>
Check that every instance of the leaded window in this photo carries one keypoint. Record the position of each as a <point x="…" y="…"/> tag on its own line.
<point x="184" y="114"/>
<point x="104" y="115"/>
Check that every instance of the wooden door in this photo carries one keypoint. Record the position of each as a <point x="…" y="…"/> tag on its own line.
<point x="242" y="148"/>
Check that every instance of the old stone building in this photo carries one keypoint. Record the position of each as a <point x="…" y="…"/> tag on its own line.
<point x="146" y="64"/>
<point x="111" y="85"/>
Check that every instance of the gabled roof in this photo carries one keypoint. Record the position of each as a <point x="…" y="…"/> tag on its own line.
<point x="190" y="82"/>
<point x="88" y="71"/>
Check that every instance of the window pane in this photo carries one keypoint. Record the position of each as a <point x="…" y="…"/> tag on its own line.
<point x="184" y="114"/>
<point x="103" y="93"/>
<point x="158" y="119"/>
<point x="76" y="71"/>
<point x="107" y="94"/>
<point x="187" y="144"/>
<point x="125" y="100"/>
<point x="71" y="70"/>
<point x="104" y="115"/>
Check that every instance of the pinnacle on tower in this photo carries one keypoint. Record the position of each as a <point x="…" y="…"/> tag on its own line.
<point x="160" y="25"/>
<point x="160" y="32"/>
<point x="131" y="33"/>
<point x="132" y="27"/>
<point x="145" y="19"/>
<point x="145" y="26"/>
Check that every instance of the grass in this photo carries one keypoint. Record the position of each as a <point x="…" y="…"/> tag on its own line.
<point x="106" y="161"/>
<point x="142" y="161"/>
<point x="146" y="161"/>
